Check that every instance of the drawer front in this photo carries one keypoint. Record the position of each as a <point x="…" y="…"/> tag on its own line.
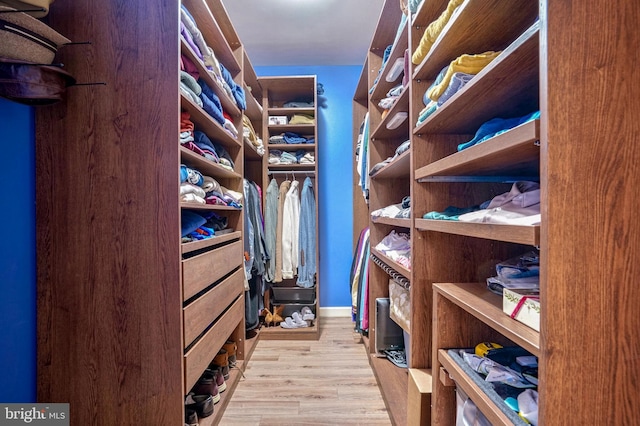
<point x="200" y="271"/>
<point x="204" y="310"/>
<point x="201" y="354"/>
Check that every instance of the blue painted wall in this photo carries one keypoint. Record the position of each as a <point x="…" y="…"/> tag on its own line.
<point x="17" y="254"/>
<point x="335" y="166"/>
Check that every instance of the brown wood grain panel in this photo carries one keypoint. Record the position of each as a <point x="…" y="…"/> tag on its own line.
<point x="419" y="397"/>
<point x="204" y="310"/>
<point x="393" y="383"/>
<point x="594" y="308"/>
<point x="392" y="221"/>
<point x="402" y="131"/>
<point x="205" y="166"/>
<point x="202" y="353"/>
<point x="383" y="86"/>
<point x="399" y="167"/>
<point x="107" y="219"/>
<point x="200" y="271"/>
<point x="529" y="235"/>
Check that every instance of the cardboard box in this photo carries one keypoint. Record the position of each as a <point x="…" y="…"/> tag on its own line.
<point x="278" y="120"/>
<point x="526" y="311"/>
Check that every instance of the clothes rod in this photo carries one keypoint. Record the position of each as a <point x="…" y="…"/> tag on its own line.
<point x="292" y="172"/>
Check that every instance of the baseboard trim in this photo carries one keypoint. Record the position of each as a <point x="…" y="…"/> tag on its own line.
<point x="335" y="312"/>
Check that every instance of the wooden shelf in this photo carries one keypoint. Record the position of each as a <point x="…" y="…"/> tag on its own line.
<point x="201" y="244"/>
<point x="228" y="104"/>
<point x="205" y="166"/>
<point x="400" y="132"/>
<point x="383" y="86"/>
<point x="213" y="34"/>
<point x="393" y="221"/>
<point x="428" y="12"/>
<point x="301" y="129"/>
<point x="507" y="87"/>
<point x="198" y="206"/>
<point x="296" y="166"/>
<point x="254" y="109"/>
<point x="289" y="111"/>
<point x="235" y="374"/>
<point x="292" y="146"/>
<point x="473" y="391"/>
<point x="392" y="263"/>
<point x="279" y="333"/>
<point x="513" y="153"/>
<point x="386" y="28"/>
<point x="205" y="123"/>
<point x="361" y="94"/>
<point x="393" y="383"/>
<point x="520" y="234"/>
<point x="487" y="307"/>
<point x="398" y="168"/>
<point x="250" y="151"/>
<point x="463" y="34"/>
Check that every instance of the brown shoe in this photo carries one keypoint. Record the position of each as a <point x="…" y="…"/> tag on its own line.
<point x="231" y="349"/>
<point x="217" y="372"/>
<point x="221" y="360"/>
<point x="207" y="385"/>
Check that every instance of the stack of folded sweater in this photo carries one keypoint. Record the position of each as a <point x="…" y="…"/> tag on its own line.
<point x="197" y="188"/>
<point x="301" y="156"/>
<point x="249" y="135"/>
<point x="291" y="138"/>
<point x="201" y="225"/>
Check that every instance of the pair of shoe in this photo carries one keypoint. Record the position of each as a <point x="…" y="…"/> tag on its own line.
<point x="221" y="360"/>
<point x="197" y="406"/>
<point x="274" y="318"/>
<point x="294" y="321"/>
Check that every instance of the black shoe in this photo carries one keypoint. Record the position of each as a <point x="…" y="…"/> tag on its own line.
<point x="201" y="404"/>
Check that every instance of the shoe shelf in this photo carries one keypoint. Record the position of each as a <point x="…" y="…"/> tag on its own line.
<point x="402" y="131"/>
<point x="235" y="374"/>
<point x="486" y="306"/>
<point x="213" y="34"/>
<point x="398" y="168"/>
<point x="393" y="383"/>
<point x="515" y="153"/>
<point x="228" y="104"/>
<point x="205" y="123"/>
<point x="495" y="414"/>
<point x="476" y="27"/>
<point x="392" y="264"/>
<point x="521" y="234"/>
<point x="215" y="240"/>
<point x="507" y="87"/>
<point x="206" y="166"/>
<point x="393" y="221"/>
<point x="279" y="333"/>
<point x="383" y="86"/>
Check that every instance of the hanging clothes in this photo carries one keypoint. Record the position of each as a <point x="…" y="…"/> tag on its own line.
<point x="290" y="229"/>
<point x="307" y="243"/>
<point x="270" y="225"/>
<point x="284" y="188"/>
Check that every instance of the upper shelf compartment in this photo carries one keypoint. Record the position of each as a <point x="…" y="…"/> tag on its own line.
<point x="280" y="90"/>
<point x="213" y="34"/>
<point x="477" y="26"/>
<point x="397" y="53"/>
<point x="507" y="87"/>
<point x="514" y="153"/>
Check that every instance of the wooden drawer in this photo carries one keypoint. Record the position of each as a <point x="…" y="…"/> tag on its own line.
<point x="201" y="354"/>
<point x="204" y="310"/>
<point x="200" y="271"/>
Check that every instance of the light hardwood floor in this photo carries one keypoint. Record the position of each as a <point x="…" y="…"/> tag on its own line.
<point x="324" y="382"/>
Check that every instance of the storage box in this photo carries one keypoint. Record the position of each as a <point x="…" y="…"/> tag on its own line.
<point x="282" y="295"/>
<point x="278" y="120"/>
<point x="523" y="305"/>
<point x="400" y="305"/>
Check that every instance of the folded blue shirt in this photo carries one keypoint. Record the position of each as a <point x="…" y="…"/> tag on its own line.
<point x="497" y="126"/>
<point x="211" y="102"/>
<point x="236" y="89"/>
<point x="293" y="138"/>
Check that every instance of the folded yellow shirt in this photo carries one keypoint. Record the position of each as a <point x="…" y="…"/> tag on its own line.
<point x="433" y="31"/>
<point x="469" y="64"/>
<point x="301" y="119"/>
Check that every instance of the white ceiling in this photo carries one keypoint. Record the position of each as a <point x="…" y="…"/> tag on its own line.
<point x="305" y="32"/>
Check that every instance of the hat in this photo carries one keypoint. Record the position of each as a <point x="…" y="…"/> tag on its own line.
<point x="26" y="39"/>
<point x="31" y="84"/>
<point x="30" y="4"/>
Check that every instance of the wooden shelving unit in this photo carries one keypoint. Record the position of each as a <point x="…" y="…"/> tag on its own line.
<point x="277" y="91"/>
